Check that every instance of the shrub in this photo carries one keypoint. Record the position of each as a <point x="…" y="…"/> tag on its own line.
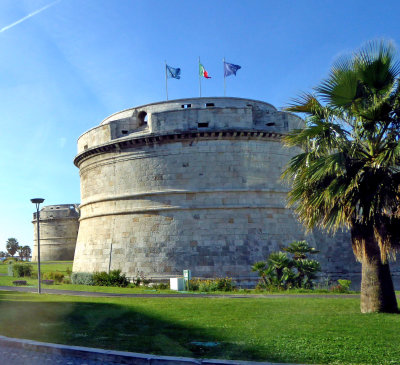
<point x="54" y="275"/>
<point x="22" y="270"/>
<point x="101" y="279"/>
<point x="114" y="278"/>
<point x="345" y="283"/>
<point x="282" y="272"/>
<point x="225" y="284"/>
<point x="342" y="287"/>
<point x="82" y="278"/>
<point x="160" y="286"/>
<point x="218" y="284"/>
<point x="10" y="260"/>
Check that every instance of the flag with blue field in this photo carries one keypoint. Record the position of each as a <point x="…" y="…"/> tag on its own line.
<point x="173" y="73"/>
<point x="230" y="69"/>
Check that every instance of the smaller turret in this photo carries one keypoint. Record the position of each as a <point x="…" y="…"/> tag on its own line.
<point x="59" y="226"/>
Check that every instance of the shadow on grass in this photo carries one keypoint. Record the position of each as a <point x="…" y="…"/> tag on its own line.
<point x="116" y="327"/>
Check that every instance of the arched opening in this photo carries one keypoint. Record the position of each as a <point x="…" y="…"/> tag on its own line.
<point x="142" y="116"/>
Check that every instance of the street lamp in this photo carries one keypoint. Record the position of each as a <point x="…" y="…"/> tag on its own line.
<point x="37" y="202"/>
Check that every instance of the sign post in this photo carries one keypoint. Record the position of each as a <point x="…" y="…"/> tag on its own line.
<point x="187" y="275"/>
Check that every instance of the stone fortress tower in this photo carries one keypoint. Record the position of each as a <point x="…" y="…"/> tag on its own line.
<point x="59" y="226"/>
<point x="191" y="184"/>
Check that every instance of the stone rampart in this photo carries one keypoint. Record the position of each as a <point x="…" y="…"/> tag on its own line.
<point x="191" y="184"/>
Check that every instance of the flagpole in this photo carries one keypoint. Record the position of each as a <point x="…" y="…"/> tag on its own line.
<point x="166" y="79"/>
<point x="199" y="78"/>
<point x="224" y="78"/>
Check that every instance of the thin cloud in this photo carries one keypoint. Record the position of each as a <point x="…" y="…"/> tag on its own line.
<point x="28" y="16"/>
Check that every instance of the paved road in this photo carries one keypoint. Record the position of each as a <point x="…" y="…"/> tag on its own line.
<point x="20" y="356"/>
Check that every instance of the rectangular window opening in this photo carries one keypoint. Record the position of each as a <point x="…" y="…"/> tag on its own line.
<point x="270" y="124"/>
<point x="209" y="105"/>
<point x="202" y="125"/>
<point x="185" y="106"/>
<point x="124" y="131"/>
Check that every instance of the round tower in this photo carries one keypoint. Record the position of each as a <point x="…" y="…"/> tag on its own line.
<point x="188" y="184"/>
<point x="59" y="226"/>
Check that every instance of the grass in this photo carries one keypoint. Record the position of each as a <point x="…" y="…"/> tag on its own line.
<point x="63" y="265"/>
<point x="305" y="330"/>
<point x="45" y="266"/>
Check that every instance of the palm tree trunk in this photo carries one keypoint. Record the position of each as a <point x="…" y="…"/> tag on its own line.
<point x="377" y="291"/>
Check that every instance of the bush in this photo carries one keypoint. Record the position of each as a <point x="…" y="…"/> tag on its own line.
<point x="345" y="283"/>
<point x="114" y="278"/>
<point x="22" y="270"/>
<point x="54" y="275"/>
<point x="160" y="286"/>
<point x="282" y="272"/>
<point x="218" y="284"/>
<point x="342" y="287"/>
<point x="82" y="278"/>
<point x="10" y="260"/>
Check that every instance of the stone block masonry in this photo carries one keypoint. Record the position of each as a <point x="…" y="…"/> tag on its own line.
<point x="59" y="226"/>
<point x="191" y="184"/>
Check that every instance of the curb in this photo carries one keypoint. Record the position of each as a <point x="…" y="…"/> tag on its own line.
<point x="121" y="357"/>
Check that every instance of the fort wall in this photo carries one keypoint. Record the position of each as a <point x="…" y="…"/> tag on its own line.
<point x="59" y="226"/>
<point x="191" y="184"/>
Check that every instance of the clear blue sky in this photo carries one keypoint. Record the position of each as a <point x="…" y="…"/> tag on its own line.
<point x="65" y="68"/>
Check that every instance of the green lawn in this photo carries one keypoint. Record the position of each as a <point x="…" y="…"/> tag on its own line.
<point x="63" y="265"/>
<point x="306" y="330"/>
<point x="45" y="266"/>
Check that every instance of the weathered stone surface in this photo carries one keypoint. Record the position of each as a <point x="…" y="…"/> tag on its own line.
<point x="58" y="232"/>
<point x="192" y="184"/>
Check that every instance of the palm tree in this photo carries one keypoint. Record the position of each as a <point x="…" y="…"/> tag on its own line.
<point x="348" y="173"/>
<point x="26" y="252"/>
<point x="300" y="249"/>
<point x="12" y="246"/>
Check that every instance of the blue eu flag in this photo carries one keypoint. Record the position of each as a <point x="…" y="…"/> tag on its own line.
<point x="230" y="69"/>
<point x="174" y="73"/>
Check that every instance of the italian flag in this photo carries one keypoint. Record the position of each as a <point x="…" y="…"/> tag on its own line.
<point x="203" y="72"/>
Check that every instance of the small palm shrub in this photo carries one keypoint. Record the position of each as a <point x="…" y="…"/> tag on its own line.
<point x="281" y="272"/>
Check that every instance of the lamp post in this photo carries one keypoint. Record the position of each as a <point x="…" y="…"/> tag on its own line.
<point x="37" y="202"/>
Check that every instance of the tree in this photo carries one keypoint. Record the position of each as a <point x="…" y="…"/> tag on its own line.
<point x="300" y="249"/>
<point x="12" y="246"/>
<point x="348" y="173"/>
<point x="24" y="252"/>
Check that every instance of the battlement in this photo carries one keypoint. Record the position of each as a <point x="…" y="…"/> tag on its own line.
<point x="60" y="211"/>
<point x="189" y="116"/>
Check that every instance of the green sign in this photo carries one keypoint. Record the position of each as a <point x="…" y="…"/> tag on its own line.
<point x="187" y="274"/>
